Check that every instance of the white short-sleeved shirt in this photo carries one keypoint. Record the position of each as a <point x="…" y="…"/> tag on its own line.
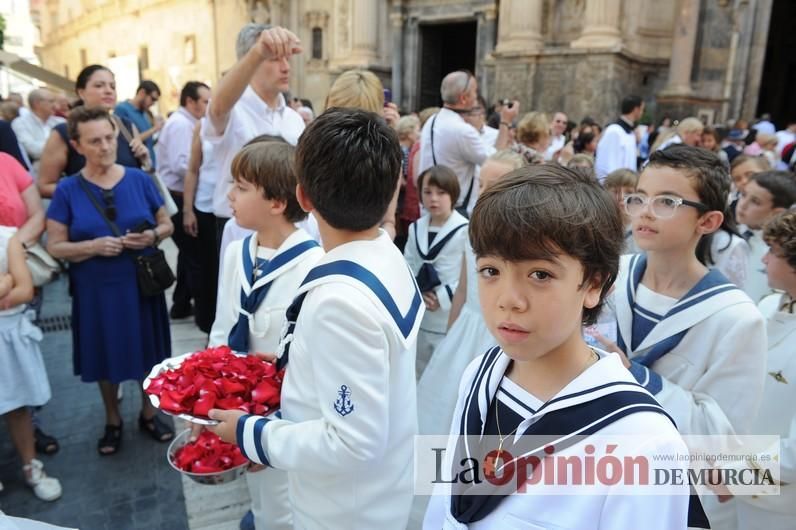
<point x="250" y="117"/>
<point x="458" y="145"/>
<point x="173" y="149"/>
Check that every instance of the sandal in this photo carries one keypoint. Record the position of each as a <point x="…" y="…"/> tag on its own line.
<point x="45" y="443"/>
<point x="111" y="441"/>
<point x="158" y="429"/>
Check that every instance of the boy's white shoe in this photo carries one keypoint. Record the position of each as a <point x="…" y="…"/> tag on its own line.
<point x="44" y="487"/>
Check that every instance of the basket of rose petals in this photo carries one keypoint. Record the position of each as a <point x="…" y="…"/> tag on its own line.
<point x="208" y="460"/>
<point x="190" y="385"/>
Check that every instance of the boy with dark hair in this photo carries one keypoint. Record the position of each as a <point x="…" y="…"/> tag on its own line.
<point x="348" y="415"/>
<point x="693" y="338"/>
<point x="765" y="195"/>
<point x="547" y="241"/>
<point x="261" y="275"/>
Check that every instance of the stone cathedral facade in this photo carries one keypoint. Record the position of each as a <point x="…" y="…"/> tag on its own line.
<point x="718" y="59"/>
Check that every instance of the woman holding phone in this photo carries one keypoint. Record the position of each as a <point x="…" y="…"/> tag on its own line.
<point x="101" y="218"/>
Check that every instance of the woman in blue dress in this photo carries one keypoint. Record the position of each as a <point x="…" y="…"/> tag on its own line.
<point x="118" y="334"/>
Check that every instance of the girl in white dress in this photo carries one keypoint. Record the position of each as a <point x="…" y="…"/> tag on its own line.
<point x="468" y="336"/>
<point x="23" y="379"/>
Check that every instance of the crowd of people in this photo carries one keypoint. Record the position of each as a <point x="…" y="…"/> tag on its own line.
<point x="405" y="263"/>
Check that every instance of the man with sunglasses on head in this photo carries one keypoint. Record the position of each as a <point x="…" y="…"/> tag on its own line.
<point x="449" y="140"/>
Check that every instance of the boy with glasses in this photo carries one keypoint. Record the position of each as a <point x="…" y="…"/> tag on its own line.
<point x="693" y="339"/>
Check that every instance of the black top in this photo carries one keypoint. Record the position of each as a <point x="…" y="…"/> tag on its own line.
<point x="10" y="144"/>
<point x="75" y="161"/>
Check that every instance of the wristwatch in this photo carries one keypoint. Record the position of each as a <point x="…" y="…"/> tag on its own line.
<point x="157" y="238"/>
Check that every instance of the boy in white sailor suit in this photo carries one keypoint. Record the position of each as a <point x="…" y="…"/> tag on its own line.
<point x="765" y="195"/>
<point x="262" y="274"/>
<point x="777" y="415"/>
<point x="434" y="251"/>
<point x="694" y="340"/>
<point x="544" y="272"/>
<point x="348" y="411"/>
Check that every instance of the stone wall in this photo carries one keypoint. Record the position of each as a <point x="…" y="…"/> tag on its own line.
<point x="595" y="82"/>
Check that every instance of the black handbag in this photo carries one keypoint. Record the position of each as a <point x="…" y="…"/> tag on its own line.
<point x="152" y="270"/>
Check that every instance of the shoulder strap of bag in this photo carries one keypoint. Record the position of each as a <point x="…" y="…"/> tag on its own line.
<point x="433" y="156"/>
<point x="122" y="128"/>
<point x="100" y="210"/>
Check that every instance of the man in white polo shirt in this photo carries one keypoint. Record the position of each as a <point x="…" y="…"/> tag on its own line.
<point x="248" y="102"/>
<point x="448" y="140"/>
<point x="33" y="128"/>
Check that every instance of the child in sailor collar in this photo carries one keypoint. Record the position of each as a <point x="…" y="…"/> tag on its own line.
<point x="692" y="337"/>
<point x="547" y="242"/>
<point x="777" y="415"/>
<point x="348" y="408"/>
<point x="261" y="275"/>
<point x="434" y="252"/>
<point x="765" y="195"/>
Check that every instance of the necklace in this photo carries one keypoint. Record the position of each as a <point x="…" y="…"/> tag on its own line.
<point x="594" y="355"/>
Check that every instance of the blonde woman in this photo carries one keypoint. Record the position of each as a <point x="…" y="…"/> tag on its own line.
<point x="533" y="137"/>
<point x="688" y="132"/>
<point x="361" y="89"/>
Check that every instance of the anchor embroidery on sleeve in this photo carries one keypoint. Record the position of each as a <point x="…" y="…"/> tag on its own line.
<point x="343" y="404"/>
<point x="778" y="377"/>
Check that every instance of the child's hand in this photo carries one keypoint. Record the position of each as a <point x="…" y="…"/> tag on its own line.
<point x="608" y="345"/>
<point x="721" y="490"/>
<point x="226" y="430"/>
<point x="431" y="300"/>
<point x="267" y="357"/>
<point x="196" y="430"/>
<point x="255" y="468"/>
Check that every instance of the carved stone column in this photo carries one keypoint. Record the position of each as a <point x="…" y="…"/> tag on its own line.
<point x="520" y="27"/>
<point x="683" y="47"/>
<point x="601" y="25"/>
<point x="365" y="43"/>
<point x="397" y="28"/>
<point x="487" y="25"/>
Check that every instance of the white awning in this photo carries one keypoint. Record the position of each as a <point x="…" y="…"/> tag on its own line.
<point x="18" y="64"/>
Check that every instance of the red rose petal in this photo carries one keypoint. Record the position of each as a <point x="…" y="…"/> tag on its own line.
<point x="218" y="378"/>
<point x="204" y="404"/>
<point x="265" y="392"/>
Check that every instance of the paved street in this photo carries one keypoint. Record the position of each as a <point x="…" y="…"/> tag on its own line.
<point x="135" y="489"/>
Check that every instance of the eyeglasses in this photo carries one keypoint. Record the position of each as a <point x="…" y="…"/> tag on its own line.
<point x="110" y="204"/>
<point x="662" y="206"/>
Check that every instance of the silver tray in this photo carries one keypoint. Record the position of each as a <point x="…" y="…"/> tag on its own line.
<point x="173" y="363"/>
